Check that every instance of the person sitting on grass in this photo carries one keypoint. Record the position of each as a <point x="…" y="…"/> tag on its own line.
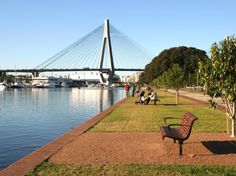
<point x="141" y="98"/>
<point x="152" y="95"/>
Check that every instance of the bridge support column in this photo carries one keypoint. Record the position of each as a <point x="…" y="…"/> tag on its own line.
<point x="102" y="79"/>
<point x="106" y="39"/>
<point x="35" y="74"/>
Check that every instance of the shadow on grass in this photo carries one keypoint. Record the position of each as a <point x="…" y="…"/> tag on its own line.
<point x="220" y="147"/>
<point x="169" y="104"/>
<point x="180" y="104"/>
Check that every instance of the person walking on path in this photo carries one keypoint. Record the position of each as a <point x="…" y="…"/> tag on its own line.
<point x="133" y="90"/>
<point x="127" y="90"/>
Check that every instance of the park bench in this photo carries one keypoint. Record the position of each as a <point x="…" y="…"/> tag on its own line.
<point x="182" y="130"/>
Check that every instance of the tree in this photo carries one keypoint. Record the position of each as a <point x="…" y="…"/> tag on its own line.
<point x="7" y="78"/>
<point x="219" y="75"/>
<point x="186" y="57"/>
<point x="162" y="82"/>
<point x="174" y="79"/>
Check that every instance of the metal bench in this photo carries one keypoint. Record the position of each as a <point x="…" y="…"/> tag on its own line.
<point x="181" y="132"/>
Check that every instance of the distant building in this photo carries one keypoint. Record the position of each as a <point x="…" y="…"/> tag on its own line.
<point x="85" y="75"/>
<point x="92" y="76"/>
<point x="89" y="76"/>
<point x="131" y="78"/>
<point x="49" y="79"/>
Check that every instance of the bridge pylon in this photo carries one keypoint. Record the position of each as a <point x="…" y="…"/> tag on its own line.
<point x="106" y="41"/>
<point x="35" y="74"/>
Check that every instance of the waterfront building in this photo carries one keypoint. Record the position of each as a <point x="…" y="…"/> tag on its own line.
<point x="131" y="78"/>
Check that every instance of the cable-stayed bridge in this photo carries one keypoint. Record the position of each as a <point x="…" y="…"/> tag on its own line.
<point x="105" y="50"/>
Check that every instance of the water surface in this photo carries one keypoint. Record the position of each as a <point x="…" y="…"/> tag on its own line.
<point x="30" y="118"/>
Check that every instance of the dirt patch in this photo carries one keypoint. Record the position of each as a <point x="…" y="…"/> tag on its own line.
<point x="146" y="148"/>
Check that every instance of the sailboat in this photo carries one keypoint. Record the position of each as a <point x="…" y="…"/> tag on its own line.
<point x="17" y="84"/>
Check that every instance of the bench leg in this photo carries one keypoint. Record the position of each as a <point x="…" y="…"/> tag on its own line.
<point x="180" y="148"/>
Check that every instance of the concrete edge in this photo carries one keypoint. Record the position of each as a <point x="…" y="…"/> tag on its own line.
<point x="30" y="161"/>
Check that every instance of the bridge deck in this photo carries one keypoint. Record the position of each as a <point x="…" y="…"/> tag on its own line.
<point x="73" y="69"/>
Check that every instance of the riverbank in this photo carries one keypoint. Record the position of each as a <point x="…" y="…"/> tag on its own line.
<point x="130" y="135"/>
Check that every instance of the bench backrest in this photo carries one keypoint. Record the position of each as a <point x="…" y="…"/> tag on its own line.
<point x="186" y="124"/>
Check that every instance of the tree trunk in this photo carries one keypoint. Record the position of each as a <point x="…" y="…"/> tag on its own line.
<point x="233" y="128"/>
<point x="231" y="113"/>
<point x="177" y="96"/>
<point x="227" y="120"/>
<point x="227" y="124"/>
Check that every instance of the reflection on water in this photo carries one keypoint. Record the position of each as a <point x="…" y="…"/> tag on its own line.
<point x="101" y="97"/>
<point x="30" y="118"/>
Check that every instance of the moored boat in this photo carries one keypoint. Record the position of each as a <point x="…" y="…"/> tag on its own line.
<point x="2" y="86"/>
<point x="17" y="85"/>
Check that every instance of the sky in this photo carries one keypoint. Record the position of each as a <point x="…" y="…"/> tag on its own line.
<point x="31" y="31"/>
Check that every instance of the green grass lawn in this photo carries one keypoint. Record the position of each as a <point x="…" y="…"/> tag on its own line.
<point x="48" y="169"/>
<point x="148" y="118"/>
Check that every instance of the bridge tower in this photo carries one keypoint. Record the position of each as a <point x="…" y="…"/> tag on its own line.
<point x="106" y="41"/>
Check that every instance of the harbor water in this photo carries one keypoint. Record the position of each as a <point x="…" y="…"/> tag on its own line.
<point x="30" y="118"/>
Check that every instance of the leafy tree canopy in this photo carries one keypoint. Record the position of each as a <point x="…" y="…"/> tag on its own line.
<point x="186" y="57"/>
<point x="219" y="75"/>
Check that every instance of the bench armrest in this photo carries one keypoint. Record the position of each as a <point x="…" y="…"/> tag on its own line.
<point x="166" y="118"/>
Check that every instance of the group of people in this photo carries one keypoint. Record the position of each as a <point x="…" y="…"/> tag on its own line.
<point x="151" y="96"/>
<point x="133" y="89"/>
<point x="142" y="98"/>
